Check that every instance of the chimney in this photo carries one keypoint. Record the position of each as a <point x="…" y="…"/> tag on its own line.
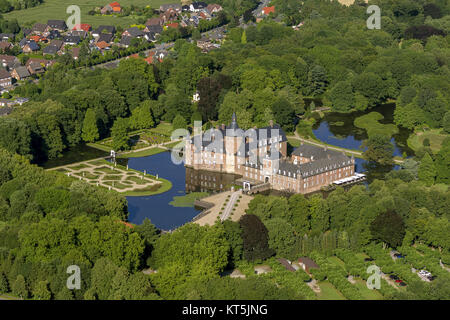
<point x="271" y="123"/>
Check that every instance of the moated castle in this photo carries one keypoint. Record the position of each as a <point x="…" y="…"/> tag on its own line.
<point x="260" y="156"/>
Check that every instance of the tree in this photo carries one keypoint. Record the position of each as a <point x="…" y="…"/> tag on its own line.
<point x="284" y="114"/>
<point x="41" y="292"/>
<point x="281" y="237"/>
<point x="19" y="287"/>
<point x="446" y="122"/>
<point x="244" y="37"/>
<point x="318" y="80"/>
<point x="15" y="136"/>
<point x="4" y="287"/>
<point x="179" y="122"/>
<point x="119" y="134"/>
<point x="255" y="238"/>
<point x="341" y="96"/>
<point x="379" y="149"/>
<point x="196" y="35"/>
<point x="90" y="129"/>
<point x="427" y="170"/>
<point x="389" y="228"/>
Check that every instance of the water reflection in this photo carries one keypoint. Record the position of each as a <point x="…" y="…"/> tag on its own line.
<point x="207" y="181"/>
<point x="338" y="129"/>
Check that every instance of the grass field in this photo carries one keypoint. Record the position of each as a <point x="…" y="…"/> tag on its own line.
<point x="371" y="123"/>
<point x="329" y="292"/>
<point x="187" y="200"/>
<point x="56" y="9"/>
<point x="366" y="292"/>
<point x="143" y="153"/>
<point x="435" y="136"/>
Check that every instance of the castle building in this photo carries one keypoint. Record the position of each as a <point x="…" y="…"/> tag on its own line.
<point x="259" y="156"/>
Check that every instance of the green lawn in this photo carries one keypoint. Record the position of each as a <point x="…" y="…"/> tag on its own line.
<point x="435" y="136"/>
<point x="163" y="128"/>
<point x="187" y="200"/>
<point x="143" y="153"/>
<point x="336" y="261"/>
<point x="329" y="292"/>
<point x="366" y="292"/>
<point x="371" y="123"/>
<point x="56" y="9"/>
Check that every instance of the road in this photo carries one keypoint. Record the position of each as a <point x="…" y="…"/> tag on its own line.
<point x="230" y="205"/>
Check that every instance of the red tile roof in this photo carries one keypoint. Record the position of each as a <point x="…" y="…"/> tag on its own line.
<point x="173" y="25"/>
<point x="102" y="45"/>
<point x="268" y="10"/>
<point x="83" y="26"/>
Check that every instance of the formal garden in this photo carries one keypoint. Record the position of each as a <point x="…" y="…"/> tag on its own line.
<point x="102" y="173"/>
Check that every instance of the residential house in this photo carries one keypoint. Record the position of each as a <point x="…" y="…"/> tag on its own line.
<point x="307" y="264"/>
<point x="82" y="27"/>
<point x="71" y="40"/>
<point x="155" y="21"/>
<point x="175" y="6"/>
<point x="103" y="29"/>
<point x="197" y="6"/>
<point x="9" y="62"/>
<point x="59" y="25"/>
<point x="52" y="50"/>
<point x="40" y="28"/>
<point x="125" y="41"/>
<point x="30" y="46"/>
<point x="5" y="78"/>
<point x="57" y="43"/>
<point x="35" y="65"/>
<point x="287" y="264"/>
<point x="103" y="45"/>
<point x="21" y="101"/>
<point x="79" y="33"/>
<point x="4" y="45"/>
<point x="53" y="34"/>
<point x="26" y="32"/>
<point x="5" y="111"/>
<point x="7" y="36"/>
<point x="173" y="25"/>
<point x="113" y="7"/>
<point x="267" y="10"/>
<point x="150" y="36"/>
<point x="133" y="32"/>
<point x="214" y="8"/>
<point x="169" y="15"/>
<point x="206" y="45"/>
<point x="20" y="73"/>
<point x="155" y="29"/>
<point x="185" y="8"/>
<point x="105" y="37"/>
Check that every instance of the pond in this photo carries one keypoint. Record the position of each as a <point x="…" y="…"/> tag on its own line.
<point x="338" y="129"/>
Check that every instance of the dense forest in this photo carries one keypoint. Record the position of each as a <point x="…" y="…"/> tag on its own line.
<point x="262" y="72"/>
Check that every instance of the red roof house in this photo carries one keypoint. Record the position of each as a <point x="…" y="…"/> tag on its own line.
<point x="267" y="10"/>
<point x="83" y="26"/>
<point x="173" y="25"/>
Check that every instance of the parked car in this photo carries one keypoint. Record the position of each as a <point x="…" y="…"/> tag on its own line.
<point x="393" y="277"/>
